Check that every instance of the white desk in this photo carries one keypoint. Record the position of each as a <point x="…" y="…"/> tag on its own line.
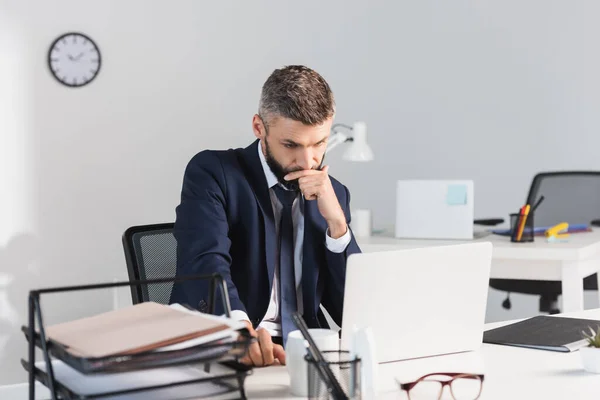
<point x="566" y="262"/>
<point x="510" y="373"/>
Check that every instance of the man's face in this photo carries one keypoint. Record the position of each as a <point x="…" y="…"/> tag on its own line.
<point x="290" y="145"/>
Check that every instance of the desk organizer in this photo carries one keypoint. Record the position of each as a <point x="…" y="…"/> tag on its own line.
<point x="222" y="358"/>
<point x="347" y="370"/>
<point x="525" y="224"/>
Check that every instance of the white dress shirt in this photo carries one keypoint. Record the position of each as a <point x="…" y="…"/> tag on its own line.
<point x="271" y="321"/>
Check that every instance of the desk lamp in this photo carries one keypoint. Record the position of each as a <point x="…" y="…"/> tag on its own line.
<point x="358" y="150"/>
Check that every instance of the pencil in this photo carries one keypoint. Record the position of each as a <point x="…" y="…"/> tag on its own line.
<point x="522" y="225"/>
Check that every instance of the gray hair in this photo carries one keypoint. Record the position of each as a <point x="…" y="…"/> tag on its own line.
<point x="298" y="93"/>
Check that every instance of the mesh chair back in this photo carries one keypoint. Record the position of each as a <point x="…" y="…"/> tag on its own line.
<point x="150" y="253"/>
<point x="569" y="196"/>
<point x="572" y="197"/>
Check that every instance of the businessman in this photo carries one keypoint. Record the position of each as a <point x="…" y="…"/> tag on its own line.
<point x="269" y="218"/>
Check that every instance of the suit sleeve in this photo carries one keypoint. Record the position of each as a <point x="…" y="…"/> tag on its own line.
<point x="201" y="230"/>
<point x="333" y="293"/>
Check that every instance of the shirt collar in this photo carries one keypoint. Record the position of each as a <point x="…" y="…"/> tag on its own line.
<point x="271" y="178"/>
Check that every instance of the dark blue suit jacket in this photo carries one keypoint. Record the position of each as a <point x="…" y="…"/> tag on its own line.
<point x="225" y="224"/>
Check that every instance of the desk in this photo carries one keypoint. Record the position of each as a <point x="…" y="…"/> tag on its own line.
<point x="510" y="373"/>
<point x="566" y="262"/>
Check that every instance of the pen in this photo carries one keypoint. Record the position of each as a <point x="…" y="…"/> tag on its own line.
<point x="322" y="162"/>
<point x="319" y="168"/>
<point x="537" y="203"/>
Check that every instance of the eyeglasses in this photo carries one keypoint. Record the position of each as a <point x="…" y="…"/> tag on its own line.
<point x="431" y="386"/>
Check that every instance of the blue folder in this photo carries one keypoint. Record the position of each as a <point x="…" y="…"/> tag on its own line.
<point x="539" y="231"/>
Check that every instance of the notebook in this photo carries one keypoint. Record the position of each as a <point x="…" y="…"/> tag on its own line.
<point x="544" y="333"/>
<point x="135" y="329"/>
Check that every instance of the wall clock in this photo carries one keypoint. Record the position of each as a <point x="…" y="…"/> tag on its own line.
<point x="74" y="59"/>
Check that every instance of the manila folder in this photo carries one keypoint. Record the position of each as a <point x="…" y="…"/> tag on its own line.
<point x="130" y="330"/>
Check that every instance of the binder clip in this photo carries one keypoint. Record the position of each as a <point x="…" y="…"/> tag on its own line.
<point x="554" y="234"/>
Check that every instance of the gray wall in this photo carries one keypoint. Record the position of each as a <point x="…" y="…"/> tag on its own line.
<point x="490" y="91"/>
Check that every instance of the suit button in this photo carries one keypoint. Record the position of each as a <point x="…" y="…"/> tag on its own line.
<point x="202" y="306"/>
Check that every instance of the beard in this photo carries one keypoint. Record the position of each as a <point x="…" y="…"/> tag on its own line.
<point x="279" y="171"/>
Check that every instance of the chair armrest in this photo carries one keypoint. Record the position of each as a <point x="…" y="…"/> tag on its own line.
<point x="490" y="221"/>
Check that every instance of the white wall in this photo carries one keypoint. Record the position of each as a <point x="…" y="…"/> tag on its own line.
<point x="440" y="84"/>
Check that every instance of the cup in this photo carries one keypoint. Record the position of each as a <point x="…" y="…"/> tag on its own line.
<point x="361" y="223"/>
<point x="295" y="351"/>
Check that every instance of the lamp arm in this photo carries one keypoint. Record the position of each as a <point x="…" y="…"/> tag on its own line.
<point x="336" y="138"/>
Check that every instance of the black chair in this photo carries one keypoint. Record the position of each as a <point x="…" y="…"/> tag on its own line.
<point x="569" y="196"/>
<point x="150" y="253"/>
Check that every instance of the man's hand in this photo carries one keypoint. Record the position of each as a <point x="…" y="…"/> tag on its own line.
<point x="263" y="352"/>
<point x="316" y="185"/>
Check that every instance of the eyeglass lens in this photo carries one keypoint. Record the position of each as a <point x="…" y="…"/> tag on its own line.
<point x="461" y="388"/>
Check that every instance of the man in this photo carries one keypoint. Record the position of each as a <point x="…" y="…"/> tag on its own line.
<point x="269" y="219"/>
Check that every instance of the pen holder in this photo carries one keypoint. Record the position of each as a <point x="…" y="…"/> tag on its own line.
<point x="345" y="367"/>
<point x="526" y="227"/>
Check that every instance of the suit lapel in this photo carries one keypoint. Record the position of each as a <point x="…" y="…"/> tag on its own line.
<point x="256" y="177"/>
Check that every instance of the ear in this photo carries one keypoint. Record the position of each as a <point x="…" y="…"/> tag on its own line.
<point x="258" y="127"/>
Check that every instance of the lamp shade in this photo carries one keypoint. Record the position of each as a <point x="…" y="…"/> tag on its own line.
<point x="359" y="149"/>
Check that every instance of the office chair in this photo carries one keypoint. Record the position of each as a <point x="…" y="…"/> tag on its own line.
<point x="569" y="196"/>
<point x="150" y="253"/>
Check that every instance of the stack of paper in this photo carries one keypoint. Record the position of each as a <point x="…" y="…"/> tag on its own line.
<point x="126" y="350"/>
<point x="90" y="385"/>
<point x="140" y="328"/>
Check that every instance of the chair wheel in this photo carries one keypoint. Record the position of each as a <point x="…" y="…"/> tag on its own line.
<point x="506" y="303"/>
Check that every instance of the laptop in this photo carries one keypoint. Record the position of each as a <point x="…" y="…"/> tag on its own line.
<point x="434" y="209"/>
<point x="418" y="302"/>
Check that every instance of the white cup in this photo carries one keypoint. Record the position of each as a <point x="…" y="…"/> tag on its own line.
<point x="361" y="223"/>
<point x="295" y="350"/>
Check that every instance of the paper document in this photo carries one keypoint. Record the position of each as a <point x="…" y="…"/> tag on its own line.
<point x="88" y="385"/>
<point x="223" y="336"/>
<point x="135" y="329"/>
